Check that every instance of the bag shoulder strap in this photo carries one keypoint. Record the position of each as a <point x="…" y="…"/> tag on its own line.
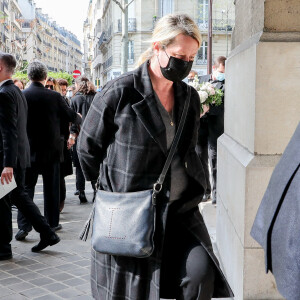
<point x="158" y="185"/>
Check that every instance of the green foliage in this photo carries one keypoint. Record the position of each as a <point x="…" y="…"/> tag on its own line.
<point x="20" y="75"/>
<point x="64" y="75"/>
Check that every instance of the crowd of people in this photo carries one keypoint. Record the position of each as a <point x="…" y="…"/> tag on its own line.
<point x="39" y="125"/>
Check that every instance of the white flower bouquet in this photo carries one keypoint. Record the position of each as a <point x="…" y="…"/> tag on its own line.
<point x="207" y="92"/>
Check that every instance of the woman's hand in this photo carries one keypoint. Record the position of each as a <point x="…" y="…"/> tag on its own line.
<point x="205" y="110"/>
<point x="71" y="141"/>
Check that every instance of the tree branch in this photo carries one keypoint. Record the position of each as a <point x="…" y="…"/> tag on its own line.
<point x="119" y="4"/>
<point x="128" y="4"/>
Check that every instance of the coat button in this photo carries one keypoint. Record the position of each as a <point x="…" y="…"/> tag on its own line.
<point x="185" y="164"/>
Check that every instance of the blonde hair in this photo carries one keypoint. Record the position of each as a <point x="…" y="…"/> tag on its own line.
<point x="166" y="30"/>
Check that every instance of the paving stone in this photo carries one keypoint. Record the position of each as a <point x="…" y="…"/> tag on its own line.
<point x="15" y="297"/>
<point x="34" y="292"/>
<point x="86" y="288"/>
<point x="80" y="271"/>
<point x="69" y="293"/>
<point x="5" y="292"/>
<point x="49" y="271"/>
<point x="26" y="262"/>
<point x="48" y="297"/>
<point x="10" y="280"/>
<point x="85" y="297"/>
<point x="20" y="287"/>
<point x="74" y="282"/>
<point x="83" y="263"/>
<point x="29" y="276"/>
<point x="41" y="281"/>
<point x="38" y="266"/>
<point x="67" y="267"/>
<point x="18" y="271"/>
<point x="54" y="287"/>
<point x="9" y="266"/>
<point x="4" y="275"/>
<point x="61" y="276"/>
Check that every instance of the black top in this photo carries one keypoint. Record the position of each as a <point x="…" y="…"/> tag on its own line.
<point x="14" y="146"/>
<point x="46" y="110"/>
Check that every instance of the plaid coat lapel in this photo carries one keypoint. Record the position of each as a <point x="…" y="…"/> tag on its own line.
<point x="146" y="109"/>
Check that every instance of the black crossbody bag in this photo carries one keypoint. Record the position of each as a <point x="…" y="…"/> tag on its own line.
<point x="124" y="223"/>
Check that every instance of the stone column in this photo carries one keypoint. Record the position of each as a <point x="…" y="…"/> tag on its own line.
<point x="262" y="111"/>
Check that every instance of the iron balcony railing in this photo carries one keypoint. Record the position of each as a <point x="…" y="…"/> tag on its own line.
<point x="201" y="61"/>
<point x="131" y="24"/>
<point x="217" y="24"/>
<point x="108" y="63"/>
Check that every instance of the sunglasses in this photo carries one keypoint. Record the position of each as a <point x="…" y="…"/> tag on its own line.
<point x="49" y="86"/>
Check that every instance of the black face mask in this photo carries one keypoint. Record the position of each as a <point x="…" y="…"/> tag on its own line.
<point x="176" y="69"/>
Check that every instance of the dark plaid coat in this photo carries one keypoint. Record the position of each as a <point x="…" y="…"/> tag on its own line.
<point x="123" y="141"/>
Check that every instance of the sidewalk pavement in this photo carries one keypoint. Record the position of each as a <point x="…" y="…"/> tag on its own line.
<point x="61" y="271"/>
<point x="58" y="272"/>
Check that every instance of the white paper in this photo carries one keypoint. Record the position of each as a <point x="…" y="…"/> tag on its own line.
<point x="7" y="187"/>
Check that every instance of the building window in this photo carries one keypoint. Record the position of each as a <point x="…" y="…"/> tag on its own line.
<point x="166" y="7"/>
<point x="130" y="52"/>
<point x="203" y="13"/>
<point x="202" y="54"/>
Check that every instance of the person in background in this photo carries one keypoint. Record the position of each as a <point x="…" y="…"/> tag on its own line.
<point x="70" y="92"/>
<point x="211" y="128"/>
<point x="81" y="102"/>
<point x="46" y="110"/>
<point x="191" y="75"/>
<point x="14" y="158"/>
<point x="66" y="168"/>
<point x="19" y="83"/>
<point x="52" y="84"/>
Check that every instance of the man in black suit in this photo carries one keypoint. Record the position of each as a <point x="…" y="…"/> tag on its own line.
<point x="46" y="110"/>
<point x="211" y="128"/>
<point x="14" y="158"/>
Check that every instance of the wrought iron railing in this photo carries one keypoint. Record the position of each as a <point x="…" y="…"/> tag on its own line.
<point x="217" y="24"/>
<point x="201" y="61"/>
<point x="108" y="63"/>
<point x="131" y="24"/>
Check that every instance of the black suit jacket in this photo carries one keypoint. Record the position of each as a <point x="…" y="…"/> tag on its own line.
<point x="14" y="146"/>
<point x="46" y="110"/>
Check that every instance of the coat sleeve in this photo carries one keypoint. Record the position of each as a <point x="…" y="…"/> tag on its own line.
<point x="74" y="128"/>
<point x="95" y="135"/>
<point x="9" y="131"/>
<point x="68" y="113"/>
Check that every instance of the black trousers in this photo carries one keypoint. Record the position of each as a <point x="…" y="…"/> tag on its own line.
<point x="80" y="180"/>
<point x="51" y="187"/>
<point x="187" y="271"/>
<point x="211" y="128"/>
<point x="202" y="151"/>
<point x="24" y="203"/>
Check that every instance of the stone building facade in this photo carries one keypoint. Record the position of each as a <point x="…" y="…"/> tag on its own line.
<point x="29" y="34"/>
<point x="102" y="32"/>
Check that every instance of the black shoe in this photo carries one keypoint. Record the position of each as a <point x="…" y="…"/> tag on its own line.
<point x="76" y="193"/>
<point x="206" y="197"/>
<point x="56" y="228"/>
<point x="21" y="235"/>
<point x="6" y="257"/>
<point x="45" y="242"/>
<point x="82" y="197"/>
<point x="214" y="202"/>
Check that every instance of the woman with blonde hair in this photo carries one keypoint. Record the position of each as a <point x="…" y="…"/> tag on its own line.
<point x="124" y="143"/>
